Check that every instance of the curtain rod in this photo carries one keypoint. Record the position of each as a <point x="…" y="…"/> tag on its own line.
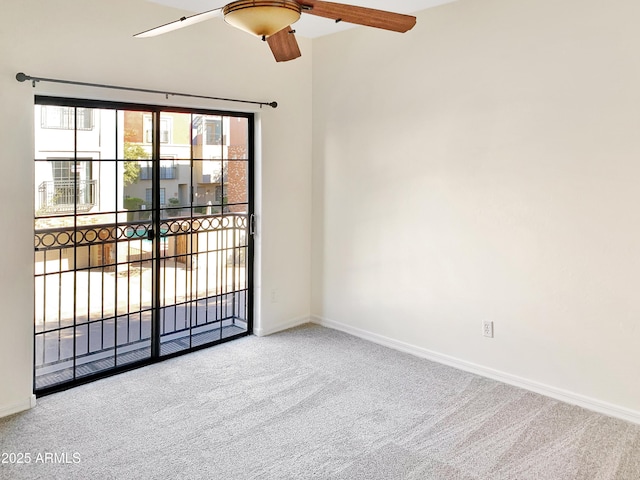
<point x="22" y="77"/>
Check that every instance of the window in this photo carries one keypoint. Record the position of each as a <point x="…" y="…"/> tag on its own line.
<point x="72" y="184"/>
<point x="165" y="129"/>
<point x="93" y="217"/>
<point x="71" y="171"/>
<point x="148" y="196"/>
<point x="213" y="132"/>
<point x="65" y="117"/>
<point x="62" y="170"/>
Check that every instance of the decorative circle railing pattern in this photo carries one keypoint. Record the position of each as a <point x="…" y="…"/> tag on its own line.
<point x="66" y="237"/>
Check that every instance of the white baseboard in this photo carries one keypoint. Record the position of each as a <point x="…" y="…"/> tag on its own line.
<point x="280" y="326"/>
<point x="547" y="390"/>
<point x="18" y="407"/>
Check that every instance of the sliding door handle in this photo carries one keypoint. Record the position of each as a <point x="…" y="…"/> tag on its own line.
<point x="252" y="224"/>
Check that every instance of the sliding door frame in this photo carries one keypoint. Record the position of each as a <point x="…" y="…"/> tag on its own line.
<point x="156" y="220"/>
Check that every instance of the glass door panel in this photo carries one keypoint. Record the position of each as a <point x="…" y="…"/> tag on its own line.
<point x="200" y="272"/>
<point x="92" y="301"/>
<point x="142" y="245"/>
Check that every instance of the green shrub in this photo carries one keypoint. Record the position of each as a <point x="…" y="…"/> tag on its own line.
<point x="132" y="203"/>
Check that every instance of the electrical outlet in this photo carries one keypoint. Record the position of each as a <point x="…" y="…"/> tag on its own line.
<point x="274" y="295"/>
<point x="487" y="328"/>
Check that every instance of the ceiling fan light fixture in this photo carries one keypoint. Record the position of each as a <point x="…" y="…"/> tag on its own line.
<point x="262" y="17"/>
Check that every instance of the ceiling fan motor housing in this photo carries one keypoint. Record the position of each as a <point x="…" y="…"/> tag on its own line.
<point x="262" y="17"/>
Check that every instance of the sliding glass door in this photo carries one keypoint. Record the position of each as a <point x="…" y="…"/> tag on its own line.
<point x="142" y="241"/>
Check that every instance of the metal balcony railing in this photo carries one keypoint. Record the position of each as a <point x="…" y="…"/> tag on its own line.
<point x="63" y="196"/>
<point x="166" y="173"/>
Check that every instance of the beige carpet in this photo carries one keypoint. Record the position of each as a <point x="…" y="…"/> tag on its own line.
<point x="312" y="403"/>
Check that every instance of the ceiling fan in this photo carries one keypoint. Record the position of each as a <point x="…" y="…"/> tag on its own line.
<point x="271" y="20"/>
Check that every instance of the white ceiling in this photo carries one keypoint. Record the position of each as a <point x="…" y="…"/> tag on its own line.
<point x="309" y="26"/>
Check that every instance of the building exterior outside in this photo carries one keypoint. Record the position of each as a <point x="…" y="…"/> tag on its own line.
<point x="215" y="182"/>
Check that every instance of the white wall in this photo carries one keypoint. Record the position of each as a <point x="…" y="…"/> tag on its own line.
<point x="91" y="41"/>
<point x="482" y="166"/>
<point x="485" y="166"/>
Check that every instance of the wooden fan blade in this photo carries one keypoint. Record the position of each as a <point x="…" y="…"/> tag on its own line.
<point x="284" y="45"/>
<point x="181" y="23"/>
<point x="368" y="17"/>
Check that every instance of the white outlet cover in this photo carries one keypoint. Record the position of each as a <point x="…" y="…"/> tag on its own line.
<point x="487" y="329"/>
